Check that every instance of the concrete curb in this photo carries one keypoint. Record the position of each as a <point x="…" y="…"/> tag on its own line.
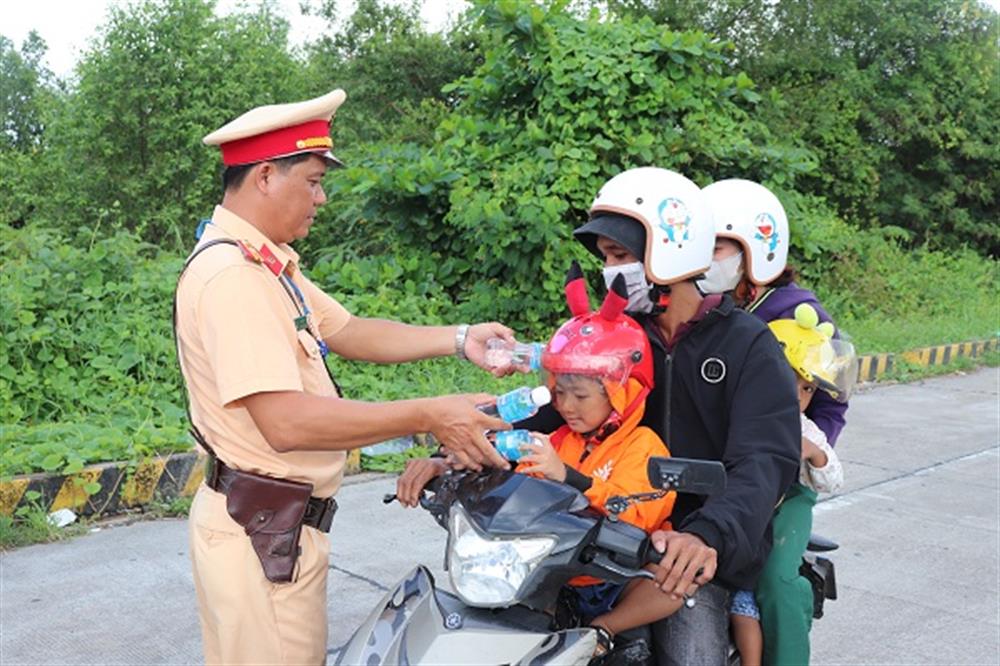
<point x="873" y="366"/>
<point x="122" y="485"/>
<point x="125" y="486"/>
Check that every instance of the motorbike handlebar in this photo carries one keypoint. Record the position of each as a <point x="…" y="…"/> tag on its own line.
<point x="431" y="486"/>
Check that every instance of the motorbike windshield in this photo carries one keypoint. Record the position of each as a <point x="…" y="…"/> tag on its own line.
<point x="507" y="503"/>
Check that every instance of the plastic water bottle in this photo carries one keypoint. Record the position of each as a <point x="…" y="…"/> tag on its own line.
<point x="509" y="443"/>
<point x="519" y="404"/>
<point x="520" y="355"/>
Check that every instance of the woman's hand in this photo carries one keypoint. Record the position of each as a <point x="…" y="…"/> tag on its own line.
<point x="541" y="458"/>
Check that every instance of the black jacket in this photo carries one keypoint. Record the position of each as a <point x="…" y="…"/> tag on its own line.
<point x="726" y="393"/>
<point x="748" y="418"/>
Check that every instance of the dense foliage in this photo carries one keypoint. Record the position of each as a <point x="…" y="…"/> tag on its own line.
<point x="898" y="99"/>
<point x="558" y="103"/>
<point x="472" y="155"/>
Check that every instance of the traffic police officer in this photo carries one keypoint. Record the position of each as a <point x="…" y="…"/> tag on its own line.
<point x="252" y="334"/>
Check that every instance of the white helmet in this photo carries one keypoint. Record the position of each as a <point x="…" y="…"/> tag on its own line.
<point x="752" y="216"/>
<point x="679" y="235"/>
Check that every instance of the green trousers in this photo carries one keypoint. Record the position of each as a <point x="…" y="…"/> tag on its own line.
<point x="785" y="597"/>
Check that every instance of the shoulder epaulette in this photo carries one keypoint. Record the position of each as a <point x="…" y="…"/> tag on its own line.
<point x="249" y="252"/>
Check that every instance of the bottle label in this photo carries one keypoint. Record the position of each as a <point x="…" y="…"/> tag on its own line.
<point x="516" y="405"/>
<point x="509" y="443"/>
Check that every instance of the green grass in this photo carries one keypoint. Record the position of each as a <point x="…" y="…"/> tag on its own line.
<point x="30" y="525"/>
<point x="367" y="381"/>
<point x="876" y="335"/>
<point x="393" y="462"/>
<point x="160" y="507"/>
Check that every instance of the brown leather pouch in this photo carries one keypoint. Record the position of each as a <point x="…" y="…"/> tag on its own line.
<point x="271" y="512"/>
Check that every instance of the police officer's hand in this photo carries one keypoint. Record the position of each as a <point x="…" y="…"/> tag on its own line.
<point x="475" y="345"/>
<point x="687" y="561"/>
<point x="415" y="477"/>
<point x="461" y="428"/>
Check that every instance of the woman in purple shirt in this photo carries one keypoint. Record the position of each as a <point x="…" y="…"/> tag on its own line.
<point x="750" y="261"/>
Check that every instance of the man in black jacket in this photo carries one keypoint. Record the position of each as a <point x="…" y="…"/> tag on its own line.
<point x="723" y="392"/>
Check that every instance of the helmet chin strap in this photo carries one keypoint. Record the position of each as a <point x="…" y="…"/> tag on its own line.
<point x="659" y="294"/>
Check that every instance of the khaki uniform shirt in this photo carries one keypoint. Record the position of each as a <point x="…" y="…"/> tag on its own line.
<point x="237" y="336"/>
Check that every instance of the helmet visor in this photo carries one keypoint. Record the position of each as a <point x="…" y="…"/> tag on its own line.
<point x="833" y="366"/>
<point x="600" y="366"/>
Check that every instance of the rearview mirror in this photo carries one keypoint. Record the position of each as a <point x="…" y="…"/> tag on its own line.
<point x="686" y="475"/>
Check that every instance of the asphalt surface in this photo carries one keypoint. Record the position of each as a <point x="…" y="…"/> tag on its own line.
<point x="918" y="569"/>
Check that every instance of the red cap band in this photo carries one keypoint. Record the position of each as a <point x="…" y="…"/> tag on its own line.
<point x="312" y="136"/>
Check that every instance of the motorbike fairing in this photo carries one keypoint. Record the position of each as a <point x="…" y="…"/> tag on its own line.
<point x="418" y="624"/>
<point x="507" y="504"/>
<point x="503" y="502"/>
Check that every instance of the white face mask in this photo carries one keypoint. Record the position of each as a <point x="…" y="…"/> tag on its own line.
<point x="635" y="283"/>
<point x="722" y="276"/>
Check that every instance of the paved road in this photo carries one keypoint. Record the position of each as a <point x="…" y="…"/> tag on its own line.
<point x="918" y="570"/>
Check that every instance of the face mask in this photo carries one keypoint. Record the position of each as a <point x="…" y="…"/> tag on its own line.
<point x="722" y="276"/>
<point x="635" y="283"/>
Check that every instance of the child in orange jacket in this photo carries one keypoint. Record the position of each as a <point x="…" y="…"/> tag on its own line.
<point x="600" y="371"/>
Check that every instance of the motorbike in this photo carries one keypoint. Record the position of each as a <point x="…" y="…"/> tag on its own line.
<point x="820" y="572"/>
<point x="513" y="542"/>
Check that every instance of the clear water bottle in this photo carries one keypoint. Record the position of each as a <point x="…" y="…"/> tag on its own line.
<point x="509" y="443"/>
<point x="519" y="404"/>
<point x="521" y="355"/>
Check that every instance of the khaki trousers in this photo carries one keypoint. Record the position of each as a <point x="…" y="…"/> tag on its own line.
<point x="245" y="618"/>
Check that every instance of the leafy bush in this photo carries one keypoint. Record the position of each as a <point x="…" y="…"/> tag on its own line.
<point x="892" y="298"/>
<point x="67" y="447"/>
<point x="557" y="106"/>
<point x="159" y="75"/>
<point x="86" y="327"/>
<point x="87" y="369"/>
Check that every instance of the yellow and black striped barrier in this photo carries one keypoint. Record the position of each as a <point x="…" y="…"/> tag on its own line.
<point x="873" y="366"/>
<point x="121" y="486"/>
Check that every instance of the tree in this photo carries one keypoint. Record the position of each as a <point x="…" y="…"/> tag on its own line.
<point x="392" y="68"/>
<point x="24" y="86"/>
<point x="159" y="76"/>
<point x="899" y="99"/>
<point x="559" y="104"/>
<point x="28" y="98"/>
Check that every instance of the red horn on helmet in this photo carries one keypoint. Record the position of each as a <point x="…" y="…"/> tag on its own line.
<point x="616" y="300"/>
<point x="575" y="289"/>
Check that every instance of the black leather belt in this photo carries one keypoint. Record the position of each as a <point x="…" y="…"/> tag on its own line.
<point x="319" y="512"/>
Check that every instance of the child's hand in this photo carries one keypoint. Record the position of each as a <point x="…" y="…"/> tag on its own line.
<point x="541" y="458"/>
<point x="812" y="453"/>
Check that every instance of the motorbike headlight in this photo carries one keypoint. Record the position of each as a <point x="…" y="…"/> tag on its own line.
<point x="489" y="572"/>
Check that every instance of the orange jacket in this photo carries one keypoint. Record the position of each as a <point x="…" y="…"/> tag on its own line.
<point x="617" y="466"/>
